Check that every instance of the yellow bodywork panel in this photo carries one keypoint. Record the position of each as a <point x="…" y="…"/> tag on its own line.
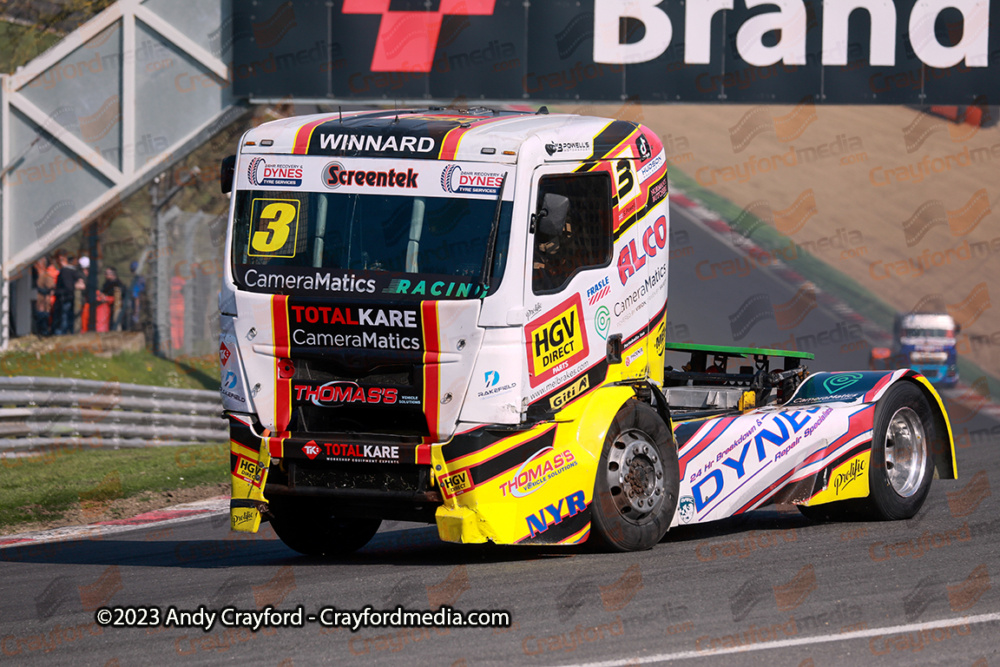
<point x="543" y="500"/>
<point x="848" y="480"/>
<point x="249" y="475"/>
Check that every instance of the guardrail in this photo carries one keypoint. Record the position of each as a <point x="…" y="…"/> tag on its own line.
<point x="41" y="413"/>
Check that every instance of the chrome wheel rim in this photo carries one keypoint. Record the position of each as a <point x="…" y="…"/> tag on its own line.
<point x="905" y="452"/>
<point x="635" y="475"/>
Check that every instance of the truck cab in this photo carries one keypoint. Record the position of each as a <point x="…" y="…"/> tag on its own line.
<point x="415" y="299"/>
<point x="924" y="342"/>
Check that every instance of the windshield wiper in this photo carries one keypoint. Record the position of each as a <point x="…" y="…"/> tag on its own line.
<point x="487" y="273"/>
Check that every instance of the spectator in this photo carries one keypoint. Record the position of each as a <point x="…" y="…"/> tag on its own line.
<point x="137" y="296"/>
<point x="44" y="285"/>
<point x="65" y="291"/>
<point x="82" y="288"/>
<point x="109" y="301"/>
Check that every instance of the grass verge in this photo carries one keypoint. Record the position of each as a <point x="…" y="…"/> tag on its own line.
<point x="141" y="367"/>
<point x="81" y="485"/>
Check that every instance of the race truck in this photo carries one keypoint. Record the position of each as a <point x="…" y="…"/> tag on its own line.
<point x="458" y="317"/>
<point x="924" y="342"/>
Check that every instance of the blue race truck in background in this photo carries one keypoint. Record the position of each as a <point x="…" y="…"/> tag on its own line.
<point x="924" y="342"/>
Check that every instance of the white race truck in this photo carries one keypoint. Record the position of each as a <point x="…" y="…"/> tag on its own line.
<point x="458" y="317"/>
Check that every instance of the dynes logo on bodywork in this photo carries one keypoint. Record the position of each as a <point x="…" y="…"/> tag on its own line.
<point x="789" y="434"/>
<point x="260" y="173"/>
<point x="556" y="340"/>
<point x="352" y="452"/>
<point x="532" y="476"/>
<point x="456" y="180"/>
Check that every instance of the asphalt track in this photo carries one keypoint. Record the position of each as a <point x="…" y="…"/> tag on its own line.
<point x="766" y="588"/>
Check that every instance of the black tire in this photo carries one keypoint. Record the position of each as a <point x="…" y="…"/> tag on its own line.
<point x="308" y="525"/>
<point x="902" y="465"/>
<point x="638" y="478"/>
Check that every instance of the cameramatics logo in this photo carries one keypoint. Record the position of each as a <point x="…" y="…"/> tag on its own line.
<point x="259" y="172"/>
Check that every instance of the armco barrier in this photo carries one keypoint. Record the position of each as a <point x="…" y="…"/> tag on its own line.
<point x="40" y="413"/>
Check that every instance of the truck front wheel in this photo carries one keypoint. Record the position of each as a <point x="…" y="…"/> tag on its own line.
<point x="309" y="526"/>
<point x="638" y="477"/>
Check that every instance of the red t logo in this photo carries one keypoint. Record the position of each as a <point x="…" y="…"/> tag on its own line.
<point x="407" y="40"/>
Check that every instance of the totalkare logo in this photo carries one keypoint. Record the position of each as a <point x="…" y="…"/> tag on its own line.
<point x="311" y="449"/>
<point x="407" y="40"/>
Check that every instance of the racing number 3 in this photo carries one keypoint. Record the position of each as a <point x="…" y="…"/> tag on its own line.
<point x="273" y="224"/>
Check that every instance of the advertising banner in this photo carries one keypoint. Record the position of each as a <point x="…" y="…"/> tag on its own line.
<point x="779" y="51"/>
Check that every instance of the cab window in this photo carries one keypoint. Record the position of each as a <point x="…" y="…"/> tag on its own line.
<point x="585" y="239"/>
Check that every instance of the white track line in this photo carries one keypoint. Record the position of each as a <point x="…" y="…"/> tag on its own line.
<point x="801" y="641"/>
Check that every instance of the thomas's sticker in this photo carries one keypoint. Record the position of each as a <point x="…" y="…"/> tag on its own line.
<point x="556" y="341"/>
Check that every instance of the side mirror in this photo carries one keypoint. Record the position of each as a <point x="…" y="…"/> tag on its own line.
<point x="227" y="171"/>
<point x="550" y="220"/>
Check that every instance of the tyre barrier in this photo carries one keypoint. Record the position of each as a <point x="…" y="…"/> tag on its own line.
<point x="38" y="413"/>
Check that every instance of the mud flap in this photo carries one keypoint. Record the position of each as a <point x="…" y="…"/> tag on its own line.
<point x="249" y="474"/>
<point x="848" y="479"/>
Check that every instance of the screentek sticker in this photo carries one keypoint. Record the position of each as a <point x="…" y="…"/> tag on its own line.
<point x="274" y="227"/>
<point x="556" y="341"/>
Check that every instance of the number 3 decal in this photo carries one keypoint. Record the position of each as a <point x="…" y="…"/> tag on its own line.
<point x="274" y="221"/>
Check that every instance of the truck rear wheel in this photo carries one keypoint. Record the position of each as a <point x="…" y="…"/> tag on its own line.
<point x="308" y="525"/>
<point x="901" y="465"/>
<point x="638" y="477"/>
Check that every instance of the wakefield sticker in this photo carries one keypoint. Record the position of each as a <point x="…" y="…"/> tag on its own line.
<point x="556" y="341"/>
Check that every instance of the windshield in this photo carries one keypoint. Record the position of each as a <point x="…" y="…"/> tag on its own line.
<point x="927" y="333"/>
<point x="366" y="232"/>
<point x="404" y="234"/>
